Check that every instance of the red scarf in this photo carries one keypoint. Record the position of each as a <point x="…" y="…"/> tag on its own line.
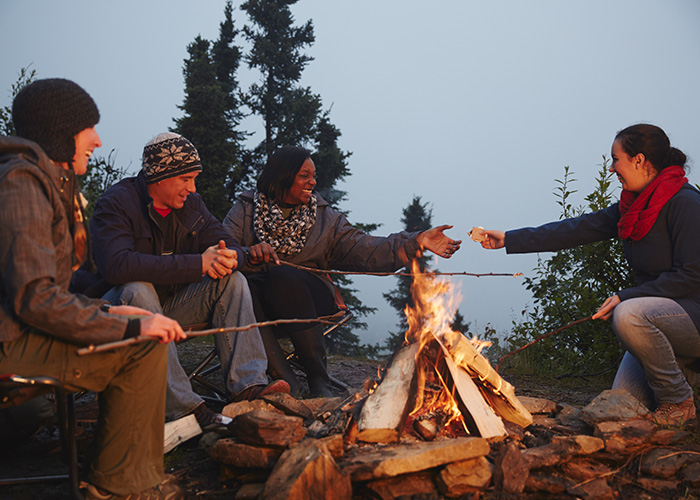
<point x="639" y="211"/>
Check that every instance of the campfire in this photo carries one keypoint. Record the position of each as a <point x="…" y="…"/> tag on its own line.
<point x="443" y="421"/>
<point x="438" y="383"/>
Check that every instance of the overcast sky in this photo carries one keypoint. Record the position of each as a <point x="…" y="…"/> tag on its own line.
<point x="476" y="106"/>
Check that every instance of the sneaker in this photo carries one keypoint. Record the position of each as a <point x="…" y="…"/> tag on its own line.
<point x="258" y="391"/>
<point x="675" y="414"/>
<point x="167" y="490"/>
<point x="209" y="419"/>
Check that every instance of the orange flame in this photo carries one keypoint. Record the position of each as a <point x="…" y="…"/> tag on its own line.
<point x="430" y="318"/>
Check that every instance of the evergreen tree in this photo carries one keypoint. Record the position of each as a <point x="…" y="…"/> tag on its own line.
<point x="331" y="161"/>
<point x="212" y="115"/>
<point x="289" y="112"/>
<point x="25" y="77"/>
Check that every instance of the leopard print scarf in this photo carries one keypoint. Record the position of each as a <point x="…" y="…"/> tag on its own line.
<point x="286" y="235"/>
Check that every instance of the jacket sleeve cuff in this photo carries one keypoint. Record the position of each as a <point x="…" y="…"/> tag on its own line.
<point x="133" y="328"/>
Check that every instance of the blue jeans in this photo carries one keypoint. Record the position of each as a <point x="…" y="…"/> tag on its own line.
<point x="660" y="338"/>
<point x="222" y="303"/>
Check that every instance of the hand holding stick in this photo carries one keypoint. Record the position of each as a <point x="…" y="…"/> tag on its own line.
<point x="91" y="349"/>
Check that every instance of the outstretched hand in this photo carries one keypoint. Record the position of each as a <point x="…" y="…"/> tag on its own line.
<point x="437" y="242"/>
<point x="492" y="239"/>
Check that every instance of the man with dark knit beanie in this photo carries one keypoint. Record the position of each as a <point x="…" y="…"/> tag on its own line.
<point x="157" y="247"/>
<point x="42" y="241"/>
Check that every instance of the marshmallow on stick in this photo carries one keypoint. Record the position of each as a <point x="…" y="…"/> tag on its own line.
<point x="477" y="234"/>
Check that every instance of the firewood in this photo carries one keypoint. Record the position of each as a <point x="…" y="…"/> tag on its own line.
<point x="427" y="428"/>
<point x="485" y="419"/>
<point x="260" y="427"/>
<point x="399" y="459"/>
<point x="179" y="431"/>
<point x="386" y="409"/>
<point x="230" y="452"/>
<point x="307" y="471"/>
<point x="499" y="393"/>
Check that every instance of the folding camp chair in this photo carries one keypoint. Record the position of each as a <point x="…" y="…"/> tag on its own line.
<point x="15" y="390"/>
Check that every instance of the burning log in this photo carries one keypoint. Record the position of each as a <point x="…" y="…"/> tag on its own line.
<point x="485" y="419"/>
<point x="499" y="393"/>
<point x="385" y="411"/>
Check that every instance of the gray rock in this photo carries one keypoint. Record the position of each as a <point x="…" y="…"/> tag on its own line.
<point x="614" y="404"/>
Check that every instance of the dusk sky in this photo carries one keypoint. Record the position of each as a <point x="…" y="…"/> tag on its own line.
<point x="476" y="106"/>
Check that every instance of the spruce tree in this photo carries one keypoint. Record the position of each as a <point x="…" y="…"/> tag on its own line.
<point x="212" y="115"/>
<point x="289" y="112"/>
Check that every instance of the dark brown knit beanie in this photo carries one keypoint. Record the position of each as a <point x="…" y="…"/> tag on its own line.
<point x="51" y="112"/>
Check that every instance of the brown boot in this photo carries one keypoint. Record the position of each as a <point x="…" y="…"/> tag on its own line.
<point x="678" y="415"/>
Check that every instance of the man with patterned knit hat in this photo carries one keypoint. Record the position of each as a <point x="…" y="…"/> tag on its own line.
<point x="159" y="248"/>
<point x="42" y="241"/>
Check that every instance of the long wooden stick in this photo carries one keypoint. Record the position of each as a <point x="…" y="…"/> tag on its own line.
<point x="549" y="334"/>
<point x="368" y="273"/>
<point x="92" y="348"/>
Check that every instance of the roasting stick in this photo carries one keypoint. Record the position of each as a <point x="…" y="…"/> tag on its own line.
<point x="573" y="323"/>
<point x="92" y="348"/>
<point x="368" y="273"/>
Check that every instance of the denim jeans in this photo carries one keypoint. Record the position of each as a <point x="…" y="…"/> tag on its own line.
<point x="222" y="303"/>
<point x="659" y="338"/>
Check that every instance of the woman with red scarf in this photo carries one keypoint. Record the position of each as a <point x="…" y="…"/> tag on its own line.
<point x="658" y="219"/>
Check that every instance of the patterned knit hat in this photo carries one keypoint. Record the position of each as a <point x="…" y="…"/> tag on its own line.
<point x="51" y="112"/>
<point x="169" y="155"/>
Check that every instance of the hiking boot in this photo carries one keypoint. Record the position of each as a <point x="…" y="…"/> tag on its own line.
<point x="167" y="490"/>
<point x="208" y="419"/>
<point x="258" y="391"/>
<point x="675" y="414"/>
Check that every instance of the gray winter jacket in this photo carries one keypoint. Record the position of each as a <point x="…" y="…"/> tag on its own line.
<point x="36" y="252"/>
<point x="332" y="242"/>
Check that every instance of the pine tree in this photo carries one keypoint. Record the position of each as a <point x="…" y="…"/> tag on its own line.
<point x="289" y="112"/>
<point x="212" y="115"/>
<point x="25" y="77"/>
<point x="331" y="161"/>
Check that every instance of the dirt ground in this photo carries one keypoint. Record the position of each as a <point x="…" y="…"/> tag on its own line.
<point x="198" y="474"/>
